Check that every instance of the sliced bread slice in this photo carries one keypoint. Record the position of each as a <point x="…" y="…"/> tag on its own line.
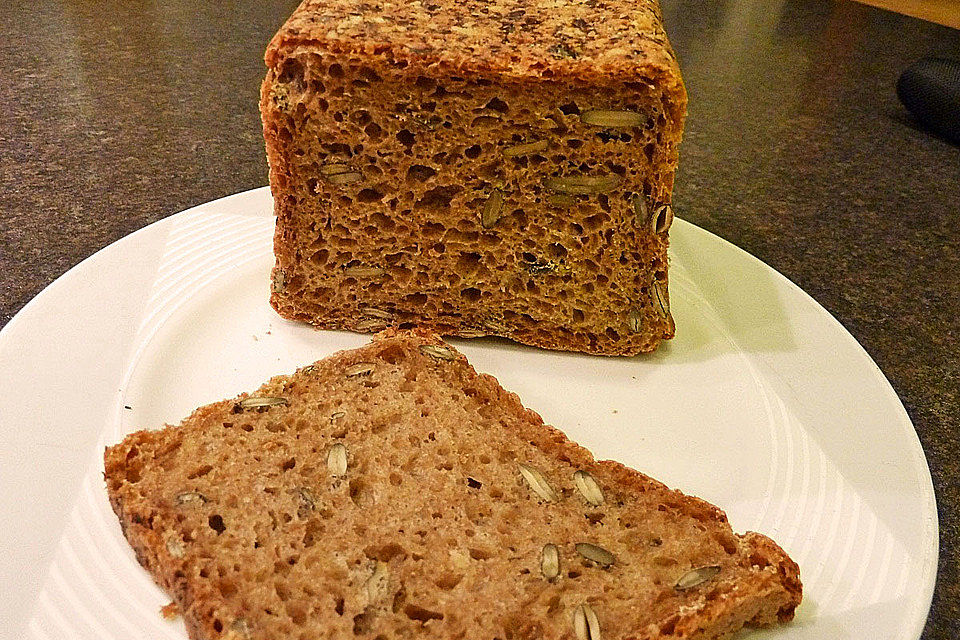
<point x="393" y="492"/>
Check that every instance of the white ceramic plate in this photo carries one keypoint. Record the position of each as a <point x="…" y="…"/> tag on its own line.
<point x="763" y="405"/>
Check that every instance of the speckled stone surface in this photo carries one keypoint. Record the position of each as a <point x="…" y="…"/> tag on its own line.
<point x="114" y="115"/>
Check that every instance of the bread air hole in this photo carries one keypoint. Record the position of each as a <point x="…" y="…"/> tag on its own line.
<point x="420" y="173"/>
<point x="448" y="581"/>
<point x="216" y="523"/>
<point x="420" y="614"/>
<point x="480" y="554"/>
<point x="362" y="623"/>
<point x="406" y="138"/>
<point x="369" y="195"/>
<point x="498" y="105"/>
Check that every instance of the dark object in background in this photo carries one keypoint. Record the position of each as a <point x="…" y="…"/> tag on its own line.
<point x="930" y="89"/>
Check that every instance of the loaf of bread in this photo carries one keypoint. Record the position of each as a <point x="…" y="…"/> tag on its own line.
<point x="477" y="168"/>
<point x="393" y="492"/>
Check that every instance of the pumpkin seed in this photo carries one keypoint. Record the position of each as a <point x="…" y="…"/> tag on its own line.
<point x="492" y="209"/>
<point x="344" y="178"/>
<point x="337" y="460"/>
<point x="335" y="168"/>
<point x="550" y="561"/>
<point x="588" y="487"/>
<point x="526" y="149"/>
<point x="586" y="625"/>
<point x="495" y="326"/>
<point x="662" y="218"/>
<point x="360" y="369"/>
<point x="538" y="483"/>
<point x="597" y="554"/>
<point x="441" y="353"/>
<point x="608" y="118"/>
<point x="255" y="402"/>
<point x="660" y="295"/>
<point x="696" y="577"/>
<point x="190" y="497"/>
<point x="636" y="321"/>
<point x="373" y="312"/>
<point x="371" y="324"/>
<point x="583" y="185"/>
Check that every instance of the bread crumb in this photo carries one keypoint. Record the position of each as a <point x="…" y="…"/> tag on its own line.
<point x="170" y="611"/>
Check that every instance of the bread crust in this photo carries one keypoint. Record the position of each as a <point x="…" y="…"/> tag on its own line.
<point x="762" y="588"/>
<point x="525" y="40"/>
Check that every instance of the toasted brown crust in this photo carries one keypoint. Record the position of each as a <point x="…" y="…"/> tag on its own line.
<point x="418" y="105"/>
<point x="589" y="42"/>
<point x="758" y="584"/>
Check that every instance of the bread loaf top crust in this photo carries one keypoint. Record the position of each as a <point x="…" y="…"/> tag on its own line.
<point x="591" y="41"/>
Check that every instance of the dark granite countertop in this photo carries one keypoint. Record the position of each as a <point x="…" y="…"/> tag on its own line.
<point x="114" y="115"/>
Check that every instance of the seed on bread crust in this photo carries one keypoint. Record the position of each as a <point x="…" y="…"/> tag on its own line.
<point x="492" y="209"/>
<point x="662" y="218"/>
<point x="538" y="483"/>
<point x="610" y="118"/>
<point x="636" y="321"/>
<point x="550" y="561"/>
<point x="255" y="402"/>
<point x="438" y="352"/>
<point x="583" y="185"/>
<point x="527" y="148"/>
<point x="344" y="178"/>
<point x="337" y="460"/>
<point x="660" y="297"/>
<point x="360" y="369"/>
<point x="371" y="324"/>
<point x="190" y="497"/>
<point x="696" y="577"/>
<point x="374" y="312"/>
<point x="588" y="487"/>
<point x="335" y="168"/>
<point x="586" y="625"/>
<point x="596" y="554"/>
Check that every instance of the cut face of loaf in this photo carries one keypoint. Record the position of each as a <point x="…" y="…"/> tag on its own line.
<point x="393" y="492"/>
<point x="477" y="169"/>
